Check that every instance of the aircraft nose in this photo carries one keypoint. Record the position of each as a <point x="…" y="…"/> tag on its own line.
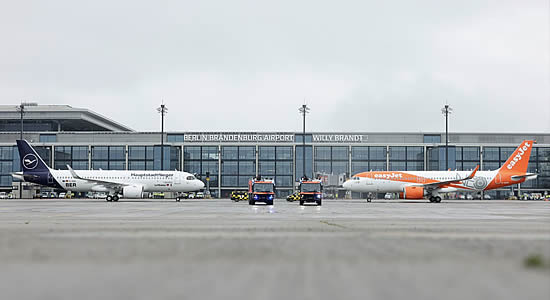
<point x="200" y="184"/>
<point x="346" y="185"/>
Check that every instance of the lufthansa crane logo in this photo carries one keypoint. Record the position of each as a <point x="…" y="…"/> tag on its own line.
<point x="30" y="161"/>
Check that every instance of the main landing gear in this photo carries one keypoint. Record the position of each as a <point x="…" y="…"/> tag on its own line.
<point x="112" y="198"/>
<point x="435" y="199"/>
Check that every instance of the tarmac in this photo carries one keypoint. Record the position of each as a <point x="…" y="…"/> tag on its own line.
<point x="219" y="249"/>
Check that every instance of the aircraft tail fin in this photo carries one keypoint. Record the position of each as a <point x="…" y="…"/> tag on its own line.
<point x="30" y="160"/>
<point x="519" y="160"/>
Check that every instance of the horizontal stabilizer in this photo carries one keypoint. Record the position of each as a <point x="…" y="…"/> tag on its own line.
<point x="528" y="176"/>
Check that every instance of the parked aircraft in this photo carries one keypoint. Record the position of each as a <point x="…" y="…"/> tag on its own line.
<point x="129" y="184"/>
<point x="430" y="184"/>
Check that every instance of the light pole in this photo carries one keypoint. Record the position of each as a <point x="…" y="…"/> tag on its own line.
<point x="304" y="110"/>
<point x="162" y="110"/>
<point x="446" y="110"/>
<point x="21" y="110"/>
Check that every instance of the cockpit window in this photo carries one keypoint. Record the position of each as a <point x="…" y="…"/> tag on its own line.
<point x="190" y="177"/>
<point x="355" y="178"/>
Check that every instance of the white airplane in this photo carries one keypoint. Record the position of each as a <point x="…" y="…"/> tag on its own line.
<point x="129" y="184"/>
<point x="421" y="184"/>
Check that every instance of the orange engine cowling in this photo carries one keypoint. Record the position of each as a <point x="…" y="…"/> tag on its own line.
<point x="412" y="192"/>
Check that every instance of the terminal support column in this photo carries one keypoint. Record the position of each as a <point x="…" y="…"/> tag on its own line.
<point x="89" y="157"/>
<point x="219" y="171"/>
<point x="387" y="158"/>
<point x="52" y="156"/>
<point x="294" y="165"/>
<point x="349" y="162"/>
<point x="257" y="159"/>
<point x="126" y="154"/>
<point x="182" y="155"/>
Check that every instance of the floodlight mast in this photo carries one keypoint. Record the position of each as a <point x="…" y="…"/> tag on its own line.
<point x="446" y="110"/>
<point x="21" y="109"/>
<point x="162" y="110"/>
<point x="304" y="110"/>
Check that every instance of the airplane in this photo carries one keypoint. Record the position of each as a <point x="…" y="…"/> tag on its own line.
<point x="129" y="184"/>
<point x="421" y="184"/>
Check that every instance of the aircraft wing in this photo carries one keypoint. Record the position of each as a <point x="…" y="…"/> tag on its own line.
<point x="102" y="182"/>
<point x="435" y="185"/>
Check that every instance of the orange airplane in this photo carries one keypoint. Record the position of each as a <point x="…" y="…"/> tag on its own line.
<point x="429" y="184"/>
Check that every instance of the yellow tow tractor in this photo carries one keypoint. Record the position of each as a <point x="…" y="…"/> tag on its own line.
<point x="239" y="195"/>
<point x="293" y="197"/>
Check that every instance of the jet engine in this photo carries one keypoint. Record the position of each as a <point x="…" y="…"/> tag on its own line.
<point x="412" y="192"/>
<point x="132" y="191"/>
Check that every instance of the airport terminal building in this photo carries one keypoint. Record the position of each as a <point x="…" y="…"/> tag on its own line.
<point x="64" y="135"/>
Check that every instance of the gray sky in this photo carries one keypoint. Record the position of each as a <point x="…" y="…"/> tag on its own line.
<point x="248" y="65"/>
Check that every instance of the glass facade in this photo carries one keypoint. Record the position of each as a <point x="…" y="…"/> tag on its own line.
<point x="432" y="138"/>
<point x="141" y="158"/>
<point x="276" y="162"/>
<point x="48" y="138"/>
<point x="108" y="158"/>
<point x="406" y="158"/>
<point x="174" y="138"/>
<point x="230" y="164"/>
<point x="364" y="158"/>
<point x="299" y="168"/>
<point x="7" y="162"/>
<point x="332" y="160"/>
<point x="200" y="160"/>
<point x="238" y="165"/>
<point x="436" y="158"/>
<point x="167" y="158"/>
<point x="300" y="138"/>
<point x="467" y="158"/>
<point x="74" y="156"/>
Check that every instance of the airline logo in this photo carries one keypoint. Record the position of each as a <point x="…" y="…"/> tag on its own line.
<point x="30" y="161"/>
<point x="388" y="176"/>
<point x="519" y="155"/>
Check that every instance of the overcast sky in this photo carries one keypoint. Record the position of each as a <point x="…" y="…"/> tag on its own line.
<point x="248" y="65"/>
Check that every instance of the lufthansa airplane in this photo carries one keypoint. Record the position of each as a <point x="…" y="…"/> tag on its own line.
<point x="429" y="184"/>
<point x="129" y="184"/>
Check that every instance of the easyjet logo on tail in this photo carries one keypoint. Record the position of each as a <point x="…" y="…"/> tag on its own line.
<point x="519" y="155"/>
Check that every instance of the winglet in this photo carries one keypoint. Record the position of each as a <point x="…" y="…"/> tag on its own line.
<point x="473" y="173"/>
<point x="73" y="173"/>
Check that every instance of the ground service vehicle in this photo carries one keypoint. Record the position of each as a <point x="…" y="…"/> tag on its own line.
<point x="293" y="197"/>
<point x="261" y="190"/>
<point x="239" y="195"/>
<point x="311" y="191"/>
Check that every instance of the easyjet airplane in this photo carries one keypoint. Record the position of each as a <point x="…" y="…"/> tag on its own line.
<point x="429" y="184"/>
